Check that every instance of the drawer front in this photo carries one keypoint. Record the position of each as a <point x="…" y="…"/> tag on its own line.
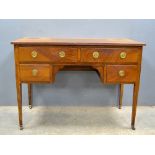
<point x="111" y="55"/>
<point x="121" y="73"/>
<point x="35" y="72"/>
<point x="47" y="54"/>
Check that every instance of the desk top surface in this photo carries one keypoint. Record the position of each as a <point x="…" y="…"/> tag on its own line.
<point x="78" y="41"/>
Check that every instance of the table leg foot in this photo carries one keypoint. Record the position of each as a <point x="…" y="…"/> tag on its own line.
<point x="30" y="106"/>
<point x="133" y="127"/>
<point x="21" y="127"/>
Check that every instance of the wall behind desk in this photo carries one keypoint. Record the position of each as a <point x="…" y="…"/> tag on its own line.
<point x="77" y="88"/>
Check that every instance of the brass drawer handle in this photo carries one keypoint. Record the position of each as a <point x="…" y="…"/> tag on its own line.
<point x="121" y="73"/>
<point x="123" y="55"/>
<point x="34" y="72"/>
<point x="96" y="54"/>
<point x="34" y="54"/>
<point x="61" y="54"/>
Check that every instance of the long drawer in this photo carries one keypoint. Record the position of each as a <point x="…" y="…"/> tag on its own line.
<point x="121" y="73"/>
<point x="35" y="72"/>
<point x="110" y="55"/>
<point x="48" y="54"/>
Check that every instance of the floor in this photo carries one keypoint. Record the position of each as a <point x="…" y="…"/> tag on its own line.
<point x="77" y="120"/>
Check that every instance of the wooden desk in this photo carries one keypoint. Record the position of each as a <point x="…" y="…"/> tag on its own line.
<point x="117" y="61"/>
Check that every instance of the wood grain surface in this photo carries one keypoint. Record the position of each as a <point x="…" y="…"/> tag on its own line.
<point x="48" y="54"/>
<point x="44" y="72"/>
<point x="131" y="72"/>
<point x="78" y="41"/>
<point x="110" y="55"/>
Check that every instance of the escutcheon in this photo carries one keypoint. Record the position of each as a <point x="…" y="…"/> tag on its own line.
<point x="122" y="55"/>
<point x="61" y="54"/>
<point x="121" y="73"/>
<point x="96" y="54"/>
<point x="34" y="72"/>
<point x="34" y="54"/>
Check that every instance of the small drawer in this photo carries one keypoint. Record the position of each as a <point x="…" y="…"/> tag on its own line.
<point x="121" y="73"/>
<point x="35" y="72"/>
<point x="110" y="55"/>
<point x="48" y="54"/>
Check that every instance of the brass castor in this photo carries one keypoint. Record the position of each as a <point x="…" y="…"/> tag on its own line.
<point x="30" y="106"/>
<point x="21" y="127"/>
<point x="133" y="127"/>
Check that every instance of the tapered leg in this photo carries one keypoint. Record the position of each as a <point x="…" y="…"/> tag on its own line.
<point x="134" y="105"/>
<point x="121" y="86"/>
<point x="19" y="99"/>
<point x="30" y="95"/>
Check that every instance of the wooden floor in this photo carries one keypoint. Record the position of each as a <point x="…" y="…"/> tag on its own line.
<point x="77" y="120"/>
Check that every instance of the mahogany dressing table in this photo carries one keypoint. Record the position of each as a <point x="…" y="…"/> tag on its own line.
<point x="117" y="61"/>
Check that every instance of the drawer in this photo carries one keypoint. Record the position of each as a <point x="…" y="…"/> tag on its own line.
<point x="121" y="73"/>
<point x="35" y="72"/>
<point x="47" y="54"/>
<point x="111" y="55"/>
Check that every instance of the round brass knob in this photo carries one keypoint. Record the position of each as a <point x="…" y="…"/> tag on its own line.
<point x="121" y="73"/>
<point x="96" y="54"/>
<point x="34" y="72"/>
<point x="61" y="54"/>
<point x="34" y="54"/>
<point x="122" y="55"/>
